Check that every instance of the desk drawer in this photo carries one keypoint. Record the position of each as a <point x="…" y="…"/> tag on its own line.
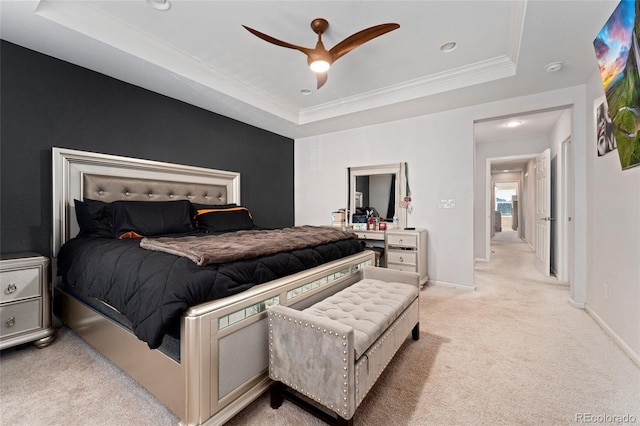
<point x="20" y="317"/>
<point x="402" y="267"/>
<point x="402" y="240"/>
<point x="19" y="284"/>
<point x="401" y="256"/>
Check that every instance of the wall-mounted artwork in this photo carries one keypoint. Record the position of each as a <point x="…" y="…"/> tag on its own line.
<point x="605" y="140"/>
<point x="618" y="56"/>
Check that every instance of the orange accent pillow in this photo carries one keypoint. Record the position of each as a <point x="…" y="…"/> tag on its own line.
<point x="130" y="235"/>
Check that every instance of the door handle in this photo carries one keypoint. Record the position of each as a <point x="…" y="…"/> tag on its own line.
<point x="548" y="219"/>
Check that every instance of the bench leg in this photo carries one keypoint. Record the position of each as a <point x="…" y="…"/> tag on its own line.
<point x="279" y="392"/>
<point x="277" y="395"/>
<point x="344" y="422"/>
<point x="415" y="333"/>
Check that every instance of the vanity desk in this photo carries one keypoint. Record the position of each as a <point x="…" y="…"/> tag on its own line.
<point x="370" y="235"/>
<point x="373" y="240"/>
<point x="406" y="250"/>
<point x="401" y="249"/>
<point x="381" y="191"/>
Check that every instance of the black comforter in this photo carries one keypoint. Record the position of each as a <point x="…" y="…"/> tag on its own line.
<point x="153" y="289"/>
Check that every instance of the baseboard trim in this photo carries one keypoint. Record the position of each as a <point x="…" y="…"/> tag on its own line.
<point x="481" y="260"/>
<point x="452" y="285"/>
<point x="625" y="348"/>
<point x="579" y="305"/>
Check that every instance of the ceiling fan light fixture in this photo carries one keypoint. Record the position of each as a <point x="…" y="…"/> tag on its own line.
<point x="319" y="58"/>
<point x="319" y="66"/>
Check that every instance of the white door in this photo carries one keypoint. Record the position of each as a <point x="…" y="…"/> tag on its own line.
<point x="543" y="212"/>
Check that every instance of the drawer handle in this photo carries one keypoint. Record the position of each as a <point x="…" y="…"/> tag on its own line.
<point x="11" y="288"/>
<point x="10" y="322"/>
<point x="401" y="259"/>
<point x="400" y="241"/>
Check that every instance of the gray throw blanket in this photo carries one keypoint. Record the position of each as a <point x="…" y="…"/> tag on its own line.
<point x="245" y="244"/>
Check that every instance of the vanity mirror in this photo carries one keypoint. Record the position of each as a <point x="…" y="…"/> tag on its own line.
<point x="379" y="189"/>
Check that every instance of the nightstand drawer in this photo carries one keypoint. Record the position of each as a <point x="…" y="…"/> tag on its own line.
<point x="20" y="284"/>
<point x="401" y="256"/>
<point x="406" y="250"/>
<point x="20" y="317"/>
<point x="403" y="240"/>
<point x="402" y="267"/>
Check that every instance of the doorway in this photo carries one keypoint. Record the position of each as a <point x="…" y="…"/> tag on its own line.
<point x="505" y="207"/>
<point x="499" y="147"/>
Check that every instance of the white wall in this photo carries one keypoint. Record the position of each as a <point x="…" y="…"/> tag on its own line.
<point x="438" y="149"/>
<point x="613" y="238"/>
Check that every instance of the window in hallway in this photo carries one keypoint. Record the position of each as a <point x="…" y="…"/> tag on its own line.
<point x="506" y="204"/>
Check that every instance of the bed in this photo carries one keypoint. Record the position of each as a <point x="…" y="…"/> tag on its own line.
<point x="217" y="365"/>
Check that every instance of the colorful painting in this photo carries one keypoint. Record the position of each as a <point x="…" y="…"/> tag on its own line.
<point x="618" y="56"/>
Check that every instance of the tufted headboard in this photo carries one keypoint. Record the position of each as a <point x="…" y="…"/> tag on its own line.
<point x="80" y="175"/>
<point x="113" y="188"/>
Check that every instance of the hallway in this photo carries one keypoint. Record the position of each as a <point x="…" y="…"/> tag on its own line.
<point x="513" y="257"/>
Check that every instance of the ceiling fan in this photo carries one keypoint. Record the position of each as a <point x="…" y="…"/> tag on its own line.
<point x="319" y="58"/>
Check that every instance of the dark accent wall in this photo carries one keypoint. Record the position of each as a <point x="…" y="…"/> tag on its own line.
<point x="46" y="102"/>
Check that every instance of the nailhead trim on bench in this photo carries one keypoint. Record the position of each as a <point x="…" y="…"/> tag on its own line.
<point x="361" y="395"/>
<point x="345" y="361"/>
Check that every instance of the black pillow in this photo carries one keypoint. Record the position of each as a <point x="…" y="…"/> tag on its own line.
<point x="149" y="218"/>
<point x="224" y="219"/>
<point x="197" y="206"/>
<point x="93" y="218"/>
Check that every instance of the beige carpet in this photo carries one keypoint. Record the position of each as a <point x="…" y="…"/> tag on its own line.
<point x="512" y="352"/>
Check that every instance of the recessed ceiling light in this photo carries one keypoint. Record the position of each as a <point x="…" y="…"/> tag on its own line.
<point x="449" y="46"/>
<point x="505" y="171"/>
<point x="553" y="67"/>
<point x="305" y="92"/>
<point x="513" y="123"/>
<point x="160" y="4"/>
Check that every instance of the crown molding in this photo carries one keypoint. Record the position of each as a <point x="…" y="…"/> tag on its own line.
<point x="477" y="73"/>
<point x="82" y="17"/>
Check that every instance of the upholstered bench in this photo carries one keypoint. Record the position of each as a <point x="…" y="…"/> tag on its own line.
<point x="334" y="351"/>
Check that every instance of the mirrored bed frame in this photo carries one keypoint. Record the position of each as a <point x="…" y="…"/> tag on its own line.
<point x="223" y="346"/>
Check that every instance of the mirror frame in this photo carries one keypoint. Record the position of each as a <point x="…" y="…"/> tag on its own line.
<point x="398" y="169"/>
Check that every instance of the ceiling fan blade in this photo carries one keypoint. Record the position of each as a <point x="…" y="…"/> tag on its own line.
<point x="322" y="78"/>
<point x="359" y="38"/>
<point x="277" y="42"/>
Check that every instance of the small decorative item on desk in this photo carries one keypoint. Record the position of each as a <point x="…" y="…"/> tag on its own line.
<point x="338" y="217"/>
<point x="382" y="226"/>
<point x="371" y="224"/>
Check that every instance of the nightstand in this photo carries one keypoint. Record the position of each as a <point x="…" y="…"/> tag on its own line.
<point x="25" y="300"/>
<point x="406" y="250"/>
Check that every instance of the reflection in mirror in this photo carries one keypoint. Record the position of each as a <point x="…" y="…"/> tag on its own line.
<point x="375" y="191"/>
